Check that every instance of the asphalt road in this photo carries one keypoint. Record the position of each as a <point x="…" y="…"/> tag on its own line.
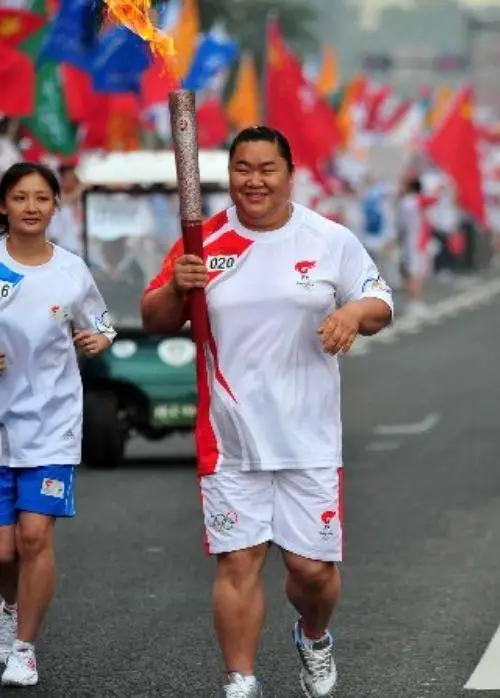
<point x="421" y="594"/>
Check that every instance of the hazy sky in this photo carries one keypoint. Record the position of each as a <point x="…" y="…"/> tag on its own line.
<point x="372" y="9"/>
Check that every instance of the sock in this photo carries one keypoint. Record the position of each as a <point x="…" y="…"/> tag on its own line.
<point x="317" y="642"/>
<point x="21" y="646"/>
<point x="246" y="679"/>
<point x="10" y="607"/>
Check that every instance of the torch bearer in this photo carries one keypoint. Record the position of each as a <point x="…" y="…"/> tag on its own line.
<point x="182" y="104"/>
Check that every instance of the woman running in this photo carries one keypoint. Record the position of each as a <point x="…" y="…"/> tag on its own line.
<point x="49" y="305"/>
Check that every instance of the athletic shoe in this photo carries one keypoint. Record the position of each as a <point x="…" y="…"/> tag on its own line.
<point x="239" y="686"/>
<point x="21" y="668"/>
<point x="8" y="630"/>
<point x="318" y="675"/>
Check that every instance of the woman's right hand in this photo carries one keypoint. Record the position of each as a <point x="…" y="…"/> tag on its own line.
<point x="189" y="273"/>
<point x="3" y="363"/>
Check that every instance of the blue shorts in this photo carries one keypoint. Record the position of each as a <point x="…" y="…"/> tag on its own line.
<point x="46" y="489"/>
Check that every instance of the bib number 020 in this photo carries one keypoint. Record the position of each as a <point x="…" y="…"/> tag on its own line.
<point x="221" y="262"/>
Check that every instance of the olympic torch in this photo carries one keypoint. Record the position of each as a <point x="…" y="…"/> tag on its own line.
<point x="182" y="105"/>
<point x="137" y="16"/>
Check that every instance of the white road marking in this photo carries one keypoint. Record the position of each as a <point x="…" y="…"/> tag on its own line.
<point x="378" y="446"/>
<point x="408" y="429"/>
<point x="486" y="676"/>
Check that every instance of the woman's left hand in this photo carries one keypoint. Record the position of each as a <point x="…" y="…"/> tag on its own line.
<point x="339" y="330"/>
<point x="91" y="343"/>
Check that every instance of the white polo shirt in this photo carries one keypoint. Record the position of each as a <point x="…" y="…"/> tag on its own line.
<point x="41" y="390"/>
<point x="269" y="397"/>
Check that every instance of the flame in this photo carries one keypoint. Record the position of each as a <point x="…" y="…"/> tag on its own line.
<point x="136" y="15"/>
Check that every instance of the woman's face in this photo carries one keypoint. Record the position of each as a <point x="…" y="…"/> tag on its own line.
<point x="29" y="206"/>
<point x="259" y="183"/>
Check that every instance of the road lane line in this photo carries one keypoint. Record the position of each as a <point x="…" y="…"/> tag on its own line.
<point x="422" y="427"/>
<point x="486" y="676"/>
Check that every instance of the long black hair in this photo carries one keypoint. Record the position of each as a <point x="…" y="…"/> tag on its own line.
<point x="14" y="174"/>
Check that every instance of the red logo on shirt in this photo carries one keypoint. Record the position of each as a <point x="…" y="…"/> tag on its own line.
<point x="304" y="267"/>
<point x="54" y="309"/>
<point x="328" y="516"/>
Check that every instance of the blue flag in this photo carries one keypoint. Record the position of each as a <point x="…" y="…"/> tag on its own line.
<point x="214" y="53"/>
<point x="68" y="38"/>
<point x="119" y="60"/>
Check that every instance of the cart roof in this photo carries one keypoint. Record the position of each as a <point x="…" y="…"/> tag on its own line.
<point x="148" y="168"/>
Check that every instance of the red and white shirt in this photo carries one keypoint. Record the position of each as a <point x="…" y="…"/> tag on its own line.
<point x="269" y="397"/>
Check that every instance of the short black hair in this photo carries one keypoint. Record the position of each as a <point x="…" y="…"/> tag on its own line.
<point x="14" y="174"/>
<point x="268" y="134"/>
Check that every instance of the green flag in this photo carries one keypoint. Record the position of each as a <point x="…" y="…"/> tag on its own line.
<point x="49" y="124"/>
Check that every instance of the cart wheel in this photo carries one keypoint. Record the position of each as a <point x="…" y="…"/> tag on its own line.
<point x="104" y="437"/>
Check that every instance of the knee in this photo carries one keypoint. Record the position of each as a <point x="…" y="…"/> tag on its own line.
<point x="241" y="568"/>
<point x="313" y="574"/>
<point x="32" y="541"/>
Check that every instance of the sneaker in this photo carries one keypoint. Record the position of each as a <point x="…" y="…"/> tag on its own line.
<point x="318" y="675"/>
<point x="21" y="668"/>
<point x="8" y="629"/>
<point x="239" y="686"/>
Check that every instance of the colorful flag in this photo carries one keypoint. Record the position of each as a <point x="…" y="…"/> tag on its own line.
<point x="294" y="107"/>
<point x="49" y="122"/>
<point x="17" y="80"/>
<point x="215" y="53"/>
<point x="67" y="39"/>
<point x="244" y="107"/>
<point x="213" y="128"/>
<point x="185" y="35"/>
<point x="119" y="60"/>
<point x="17" y="25"/>
<point x="328" y="78"/>
<point x="453" y="146"/>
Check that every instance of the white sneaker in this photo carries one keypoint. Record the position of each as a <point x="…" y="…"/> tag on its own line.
<point x="8" y="630"/>
<point x="239" y="686"/>
<point x="318" y="675"/>
<point x="21" y="668"/>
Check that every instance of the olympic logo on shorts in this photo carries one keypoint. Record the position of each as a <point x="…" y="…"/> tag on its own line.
<point x="223" y="522"/>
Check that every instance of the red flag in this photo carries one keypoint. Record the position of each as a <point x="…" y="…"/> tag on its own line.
<point x="454" y="148"/>
<point x="156" y="83"/>
<point x="17" y="80"/>
<point x="213" y="128"/>
<point x="294" y="107"/>
<point x="18" y="25"/>
<point x="82" y="101"/>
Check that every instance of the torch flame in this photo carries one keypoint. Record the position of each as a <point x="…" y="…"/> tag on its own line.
<point x="136" y="15"/>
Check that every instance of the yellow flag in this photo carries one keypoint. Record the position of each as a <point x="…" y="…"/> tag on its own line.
<point x="185" y="38"/>
<point x="442" y="101"/>
<point x="328" y="79"/>
<point x="243" y="108"/>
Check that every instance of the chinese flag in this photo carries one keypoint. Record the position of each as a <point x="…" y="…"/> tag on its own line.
<point x="18" y="25"/>
<point x="294" y="106"/>
<point x="454" y="148"/>
<point x="17" y="78"/>
<point x="213" y="127"/>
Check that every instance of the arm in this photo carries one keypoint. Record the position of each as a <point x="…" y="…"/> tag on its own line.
<point x="163" y="309"/>
<point x="364" y="300"/>
<point x="94" y="332"/>
<point x="165" y="304"/>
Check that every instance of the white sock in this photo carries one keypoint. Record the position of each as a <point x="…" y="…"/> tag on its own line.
<point x="21" y="646"/>
<point x="311" y="642"/>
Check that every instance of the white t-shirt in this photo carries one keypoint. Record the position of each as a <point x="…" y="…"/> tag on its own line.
<point x="41" y="390"/>
<point x="269" y="397"/>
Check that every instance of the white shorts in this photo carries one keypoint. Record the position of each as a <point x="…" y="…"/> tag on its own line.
<point x="299" y="510"/>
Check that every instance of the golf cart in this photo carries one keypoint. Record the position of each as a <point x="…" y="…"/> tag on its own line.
<point x="145" y="385"/>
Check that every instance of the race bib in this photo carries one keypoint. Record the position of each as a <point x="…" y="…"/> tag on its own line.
<point x="9" y="283"/>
